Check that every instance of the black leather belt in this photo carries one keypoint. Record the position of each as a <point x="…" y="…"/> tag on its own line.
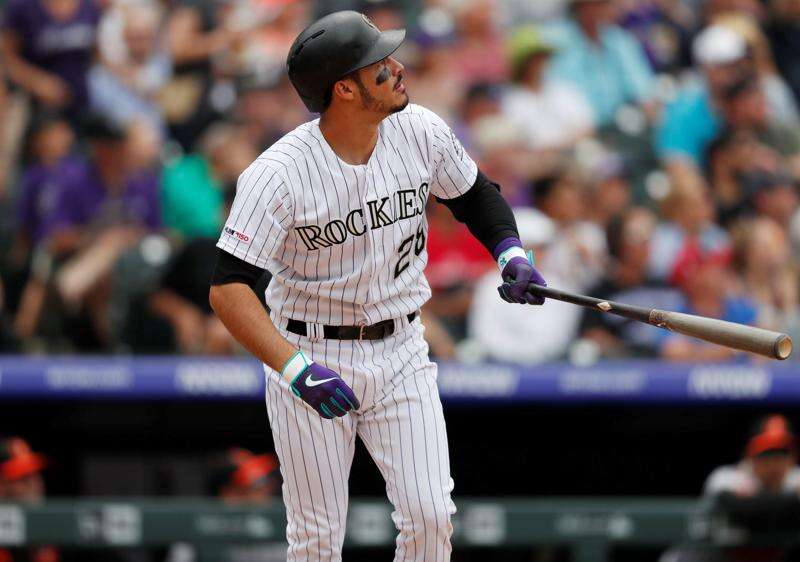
<point x="376" y="331"/>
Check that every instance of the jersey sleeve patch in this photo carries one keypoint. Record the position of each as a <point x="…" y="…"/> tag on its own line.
<point x="239" y="236"/>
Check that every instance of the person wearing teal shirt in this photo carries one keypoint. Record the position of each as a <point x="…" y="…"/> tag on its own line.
<point x="193" y="187"/>
<point x="602" y="60"/>
<point x="688" y="126"/>
<point x="192" y="199"/>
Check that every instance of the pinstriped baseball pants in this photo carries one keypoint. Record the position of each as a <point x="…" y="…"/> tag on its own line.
<point x="400" y="422"/>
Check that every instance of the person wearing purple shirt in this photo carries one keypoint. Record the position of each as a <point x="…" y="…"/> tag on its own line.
<point x="102" y="212"/>
<point x="48" y="46"/>
<point x="86" y="200"/>
<point x="101" y="209"/>
<point x="50" y="156"/>
<point x="101" y="194"/>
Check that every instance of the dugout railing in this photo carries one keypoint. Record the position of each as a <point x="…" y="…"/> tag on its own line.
<point x="588" y="527"/>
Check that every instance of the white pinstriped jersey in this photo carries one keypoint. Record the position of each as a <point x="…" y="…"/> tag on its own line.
<point x="346" y="244"/>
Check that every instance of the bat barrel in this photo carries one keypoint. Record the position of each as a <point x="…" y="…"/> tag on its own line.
<point x="774" y="345"/>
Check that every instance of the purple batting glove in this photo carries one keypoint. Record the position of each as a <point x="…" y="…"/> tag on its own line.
<point x="517" y="272"/>
<point x="325" y="391"/>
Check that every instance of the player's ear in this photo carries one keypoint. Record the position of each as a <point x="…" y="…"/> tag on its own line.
<point x="344" y="89"/>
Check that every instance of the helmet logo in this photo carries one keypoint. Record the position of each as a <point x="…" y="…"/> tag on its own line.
<point x="369" y="22"/>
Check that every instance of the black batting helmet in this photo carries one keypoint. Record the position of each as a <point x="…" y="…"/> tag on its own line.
<point x="331" y="48"/>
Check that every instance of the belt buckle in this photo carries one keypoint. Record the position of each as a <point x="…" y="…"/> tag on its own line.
<point x="361" y="328"/>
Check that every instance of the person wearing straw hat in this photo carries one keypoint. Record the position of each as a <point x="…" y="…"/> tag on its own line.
<point x="552" y="113"/>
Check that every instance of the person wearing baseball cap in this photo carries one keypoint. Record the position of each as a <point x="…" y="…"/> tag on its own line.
<point x="691" y="121"/>
<point x="21" y="482"/>
<point x="241" y="476"/>
<point x="553" y="114"/>
<point x="20" y="471"/>
<point x="769" y="463"/>
<point x="759" y="495"/>
<point x="237" y="477"/>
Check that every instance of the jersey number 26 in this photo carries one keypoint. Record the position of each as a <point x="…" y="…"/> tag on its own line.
<point x="404" y="250"/>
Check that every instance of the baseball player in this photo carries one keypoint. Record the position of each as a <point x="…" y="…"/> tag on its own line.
<point x="336" y="211"/>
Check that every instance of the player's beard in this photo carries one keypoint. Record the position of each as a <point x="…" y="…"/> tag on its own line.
<point x="402" y="105"/>
<point x="370" y="103"/>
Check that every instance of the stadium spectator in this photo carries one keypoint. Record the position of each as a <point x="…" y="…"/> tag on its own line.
<point x="744" y="109"/>
<point x="773" y="196"/>
<point x="455" y="262"/>
<point x="14" y="114"/>
<point x="20" y="471"/>
<point x="195" y="36"/>
<point x="578" y="254"/>
<point x="182" y="300"/>
<point x="481" y="99"/>
<point x="52" y="164"/>
<point x="504" y="334"/>
<point x="760" y="491"/>
<point x="608" y="188"/>
<point x="50" y="151"/>
<point x="102" y="209"/>
<point x="541" y="12"/>
<point x="265" y="33"/>
<point x="238" y="477"/>
<point x="241" y="477"/>
<point x="21" y="482"/>
<point x="710" y="290"/>
<point x="127" y="90"/>
<point x="435" y="79"/>
<point x="479" y="42"/>
<point x="689" y="235"/>
<point x="48" y="47"/>
<point x="503" y="154"/>
<point x="490" y="325"/>
<point x="769" y="464"/>
<point x="627" y="280"/>
<point x="663" y="29"/>
<point x="762" y="258"/>
<point x="739" y="164"/>
<point x="784" y="37"/>
<point x="552" y="114"/>
<point x="752" y="9"/>
<point x="194" y="187"/>
<point x="692" y="121"/>
<point x="603" y="61"/>
<point x="757" y="496"/>
<point x="782" y="104"/>
<point x="266" y="109"/>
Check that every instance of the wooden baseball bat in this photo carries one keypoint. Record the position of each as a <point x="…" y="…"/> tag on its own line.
<point x="738" y="336"/>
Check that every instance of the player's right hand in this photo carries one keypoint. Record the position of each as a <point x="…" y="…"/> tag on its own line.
<point x="517" y="275"/>
<point x="325" y="391"/>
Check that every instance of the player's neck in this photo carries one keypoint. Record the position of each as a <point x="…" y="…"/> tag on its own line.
<point x="352" y="137"/>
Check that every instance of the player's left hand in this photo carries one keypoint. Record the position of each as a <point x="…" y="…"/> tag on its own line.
<point x="517" y="275"/>
<point x="325" y="391"/>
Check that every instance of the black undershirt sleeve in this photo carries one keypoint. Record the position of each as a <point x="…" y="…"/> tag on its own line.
<point x="485" y="212"/>
<point x="230" y="269"/>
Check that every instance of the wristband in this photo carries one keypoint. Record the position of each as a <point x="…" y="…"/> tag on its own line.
<point x="296" y="364"/>
<point x="507" y="255"/>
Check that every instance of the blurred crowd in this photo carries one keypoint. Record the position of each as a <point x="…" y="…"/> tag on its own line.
<point x="651" y="149"/>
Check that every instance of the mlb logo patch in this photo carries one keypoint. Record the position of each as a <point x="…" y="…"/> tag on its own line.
<point x="236" y="234"/>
